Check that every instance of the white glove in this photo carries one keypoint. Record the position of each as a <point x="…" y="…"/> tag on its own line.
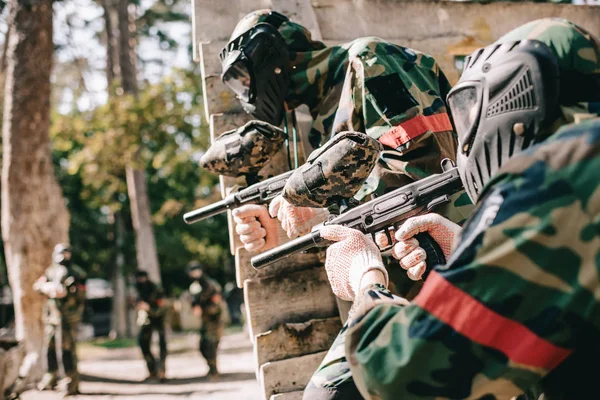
<point x="350" y="259"/>
<point x="296" y="221"/>
<point x="407" y="250"/>
<point x="53" y="290"/>
<point x="257" y="230"/>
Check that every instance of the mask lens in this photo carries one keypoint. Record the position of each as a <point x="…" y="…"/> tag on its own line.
<point x="238" y="79"/>
<point x="465" y="108"/>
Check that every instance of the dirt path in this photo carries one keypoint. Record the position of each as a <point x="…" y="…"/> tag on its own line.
<point x="119" y="374"/>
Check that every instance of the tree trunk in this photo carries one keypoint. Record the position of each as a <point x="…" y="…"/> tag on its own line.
<point x="119" y="305"/>
<point x="145" y="246"/>
<point x="111" y="44"/>
<point x="137" y="186"/>
<point x="34" y="213"/>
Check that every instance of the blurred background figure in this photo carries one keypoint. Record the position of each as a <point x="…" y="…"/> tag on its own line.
<point x="63" y="283"/>
<point x="208" y="305"/>
<point x="151" y="310"/>
<point x="234" y="296"/>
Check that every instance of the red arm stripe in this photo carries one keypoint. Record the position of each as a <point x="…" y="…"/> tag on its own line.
<point x="482" y="325"/>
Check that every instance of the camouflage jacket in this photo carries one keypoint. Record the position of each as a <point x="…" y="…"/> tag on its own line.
<point x="517" y="300"/>
<point x="206" y="293"/>
<point x="70" y="308"/>
<point x="392" y="93"/>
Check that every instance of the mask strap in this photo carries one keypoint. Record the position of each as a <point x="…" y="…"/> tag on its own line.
<point x="287" y="140"/>
<point x="294" y="139"/>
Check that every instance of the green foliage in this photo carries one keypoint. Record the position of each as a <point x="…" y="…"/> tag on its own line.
<point x="163" y="128"/>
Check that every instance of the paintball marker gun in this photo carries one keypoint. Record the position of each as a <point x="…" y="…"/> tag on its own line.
<point x="259" y="193"/>
<point x="340" y="165"/>
<point x="379" y="214"/>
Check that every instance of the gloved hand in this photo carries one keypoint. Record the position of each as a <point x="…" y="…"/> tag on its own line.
<point x="407" y="250"/>
<point x="257" y="230"/>
<point x="296" y="221"/>
<point x="348" y="260"/>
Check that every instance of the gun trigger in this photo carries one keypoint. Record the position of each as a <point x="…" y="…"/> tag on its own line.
<point x="438" y="202"/>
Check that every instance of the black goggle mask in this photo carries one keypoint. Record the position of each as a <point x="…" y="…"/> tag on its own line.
<point x="256" y="68"/>
<point x="505" y="98"/>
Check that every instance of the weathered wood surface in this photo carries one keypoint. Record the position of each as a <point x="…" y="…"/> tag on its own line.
<point x="289" y="375"/>
<point x="288" y="396"/>
<point x="296" y="297"/>
<point x="295" y="339"/>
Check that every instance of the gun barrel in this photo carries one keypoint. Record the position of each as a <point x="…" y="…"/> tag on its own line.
<point x="285" y="250"/>
<point x="208" y="211"/>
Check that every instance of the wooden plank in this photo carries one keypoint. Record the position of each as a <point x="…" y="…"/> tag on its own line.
<point x="297" y="297"/>
<point x="218" y="98"/>
<point x="293" y="263"/>
<point x="289" y="375"/>
<point x="294" y="340"/>
<point x="288" y="396"/>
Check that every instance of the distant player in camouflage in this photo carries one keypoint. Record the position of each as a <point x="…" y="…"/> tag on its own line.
<point x="151" y="312"/>
<point x="514" y="312"/>
<point x="208" y="305"/>
<point x="63" y="283"/>
<point x="392" y="93"/>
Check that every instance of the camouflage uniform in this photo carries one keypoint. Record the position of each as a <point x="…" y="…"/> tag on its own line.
<point x="516" y="302"/>
<point x="395" y="95"/>
<point x="61" y="319"/>
<point x="206" y="294"/>
<point x="149" y="322"/>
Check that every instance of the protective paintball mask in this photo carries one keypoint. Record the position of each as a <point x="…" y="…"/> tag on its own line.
<point x="256" y="68"/>
<point x="505" y="100"/>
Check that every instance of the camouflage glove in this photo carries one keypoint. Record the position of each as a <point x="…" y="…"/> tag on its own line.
<point x="351" y="259"/>
<point x="296" y="221"/>
<point x="407" y="250"/>
<point x="257" y="230"/>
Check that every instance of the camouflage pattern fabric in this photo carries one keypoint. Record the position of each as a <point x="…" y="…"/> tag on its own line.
<point x="393" y="94"/>
<point x="152" y="321"/>
<point x="339" y="166"/>
<point x="61" y="319"/>
<point x="144" y="341"/>
<point x="576" y="50"/>
<point x="516" y="299"/>
<point x="244" y="150"/>
<point x="206" y="294"/>
<point x="71" y="307"/>
<point x="67" y="333"/>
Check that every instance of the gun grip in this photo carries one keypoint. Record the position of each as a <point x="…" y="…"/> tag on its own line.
<point x="435" y="255"/>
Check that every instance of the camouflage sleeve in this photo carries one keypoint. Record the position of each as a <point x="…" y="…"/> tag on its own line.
<point x="509" y="306"/>
<point x="394" y="94"/>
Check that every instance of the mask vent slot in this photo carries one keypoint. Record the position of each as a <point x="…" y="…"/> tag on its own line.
<point x="519" y="97"/>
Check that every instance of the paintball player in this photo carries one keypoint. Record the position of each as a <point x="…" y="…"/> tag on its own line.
<point x="63" y="283"/>
<point x="207" y="305"/>
<point x="151" y="312"/>
<point x="392" y="93"/>
<point x="514" y="312"/>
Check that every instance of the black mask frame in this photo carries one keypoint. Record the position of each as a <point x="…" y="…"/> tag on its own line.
<point x="256" y="67"/>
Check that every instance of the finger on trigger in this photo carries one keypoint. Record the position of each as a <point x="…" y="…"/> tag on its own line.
<point x="249" y="210"/>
